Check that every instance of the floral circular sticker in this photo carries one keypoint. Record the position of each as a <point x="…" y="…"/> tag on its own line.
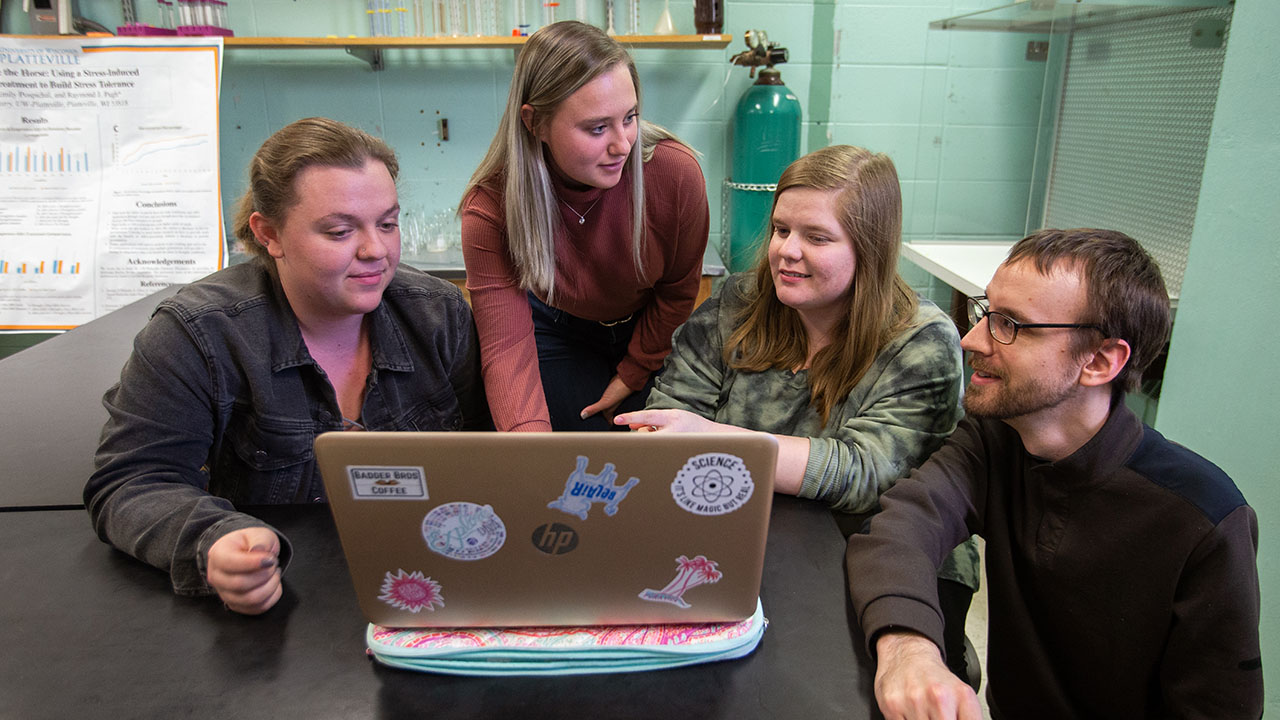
<point x="411" y="591"/>
<point x="712" y="484"/>
<point x="464" y="531"/>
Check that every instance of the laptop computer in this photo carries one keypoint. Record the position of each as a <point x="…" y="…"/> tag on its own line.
<point x="457" y="529"/>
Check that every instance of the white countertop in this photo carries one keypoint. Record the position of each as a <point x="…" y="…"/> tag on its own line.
<point x="965" y="266"/>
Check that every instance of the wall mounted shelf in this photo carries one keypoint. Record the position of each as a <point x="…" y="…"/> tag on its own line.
<point x="370" y="49"/>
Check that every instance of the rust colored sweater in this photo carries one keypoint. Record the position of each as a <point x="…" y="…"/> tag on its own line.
<point x="595" y="279"/>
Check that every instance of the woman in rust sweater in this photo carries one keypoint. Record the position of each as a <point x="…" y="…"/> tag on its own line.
<point x="583" y="231"/>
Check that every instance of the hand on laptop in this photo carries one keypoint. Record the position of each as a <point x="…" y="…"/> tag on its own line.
<point x="244" y="569"/>
<point x="670" y="420"/>
<point x="913" y="682"/>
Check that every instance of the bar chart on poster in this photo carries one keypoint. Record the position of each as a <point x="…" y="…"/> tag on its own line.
<point x="108" y="174"/>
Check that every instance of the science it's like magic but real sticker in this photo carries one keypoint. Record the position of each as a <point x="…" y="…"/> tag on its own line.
<point x="712" y="484"/>
<point x="380" y="482"/>
<point x="464" y="531"/>
<point x="411" y="591"/>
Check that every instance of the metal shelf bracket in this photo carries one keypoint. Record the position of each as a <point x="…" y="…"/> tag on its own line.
<point x="373" y="56"/>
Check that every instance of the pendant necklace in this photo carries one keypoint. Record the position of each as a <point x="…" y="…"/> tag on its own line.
<point x="582" y="216"/>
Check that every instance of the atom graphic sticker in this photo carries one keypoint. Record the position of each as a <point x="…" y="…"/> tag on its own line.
<point x="712" y="484"/>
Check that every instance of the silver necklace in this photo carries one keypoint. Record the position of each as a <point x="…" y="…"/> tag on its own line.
<point x="582" y="216"/>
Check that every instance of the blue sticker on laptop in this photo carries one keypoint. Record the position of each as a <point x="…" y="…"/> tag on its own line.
<point x="464" y="531"/>
<point x="582" y="488"/>
<point x="712" y="484"/>
<point x="689" y="574"/>
<point x="411" y="591"/>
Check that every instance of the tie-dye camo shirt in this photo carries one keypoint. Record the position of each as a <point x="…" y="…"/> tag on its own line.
<point x="901" y="410"/>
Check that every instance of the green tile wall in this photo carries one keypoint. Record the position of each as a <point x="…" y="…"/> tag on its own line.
<point x="1221" y="384"/>
<point x="955" y="110"/>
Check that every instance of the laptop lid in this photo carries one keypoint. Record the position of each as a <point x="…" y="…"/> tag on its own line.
<point x="457" y="529"/>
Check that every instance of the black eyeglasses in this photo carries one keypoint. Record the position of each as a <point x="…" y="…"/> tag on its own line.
<point x="1004" y="329"/>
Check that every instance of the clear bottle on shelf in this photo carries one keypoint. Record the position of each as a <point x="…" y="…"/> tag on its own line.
<point x="220" y="14"/>
<point x="419" y="19"/>
<point x="166" y="14"/>
<point x="457" y="18"/>
<point x="519" y="20"/>
<point x="488" y="17"/>
<point x="440" y="18"/>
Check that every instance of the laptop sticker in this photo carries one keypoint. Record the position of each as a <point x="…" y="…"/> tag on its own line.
<point x="464" y="531"/>
<point x="387" y="483"/>
<point x="712" y="484"/>
<point x="689" y="574"/>
<point x="583" y="488"/>
<point x="411" y="591"/>
<point x="555" y="538"/>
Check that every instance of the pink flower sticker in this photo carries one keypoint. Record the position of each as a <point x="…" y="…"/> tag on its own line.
<point x="411" y="591"/>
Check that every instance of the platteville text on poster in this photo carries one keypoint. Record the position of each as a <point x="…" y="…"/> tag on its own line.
<point x="108" y="174"/>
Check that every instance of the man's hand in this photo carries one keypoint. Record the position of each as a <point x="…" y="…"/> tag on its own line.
<point x="244" y="569"/>
<point x="912" y="681"/>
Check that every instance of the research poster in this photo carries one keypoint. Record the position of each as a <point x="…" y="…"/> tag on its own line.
<point x="108" y="173"/>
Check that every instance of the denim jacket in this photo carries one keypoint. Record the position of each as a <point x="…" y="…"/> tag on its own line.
<point x="221" y="402"/>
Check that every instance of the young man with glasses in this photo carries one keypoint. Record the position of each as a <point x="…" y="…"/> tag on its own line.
<point x="1121" y="567"/>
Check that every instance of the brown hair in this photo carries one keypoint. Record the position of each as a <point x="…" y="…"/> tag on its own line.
<point x="274" y="170"/>
<point x="881" y="305"/>
<point x="1124" y="291"/>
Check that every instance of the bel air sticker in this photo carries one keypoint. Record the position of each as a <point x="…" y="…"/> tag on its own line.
<point x="387" y="483"/>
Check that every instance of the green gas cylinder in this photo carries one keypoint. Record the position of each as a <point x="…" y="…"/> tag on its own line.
<point x="766" y="139"/>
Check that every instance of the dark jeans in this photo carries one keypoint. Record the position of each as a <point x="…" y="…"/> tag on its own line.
<point x="577" y="358"/>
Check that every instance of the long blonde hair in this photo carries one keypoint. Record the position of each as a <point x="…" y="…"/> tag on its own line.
<point x="555" y="63"/>
<point x="881" y="304"/>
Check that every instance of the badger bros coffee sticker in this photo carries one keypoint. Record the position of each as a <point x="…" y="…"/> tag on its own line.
<point x="387" y="483"/>
<point x="712" y="484"/>
<point x="464" y="531"/>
